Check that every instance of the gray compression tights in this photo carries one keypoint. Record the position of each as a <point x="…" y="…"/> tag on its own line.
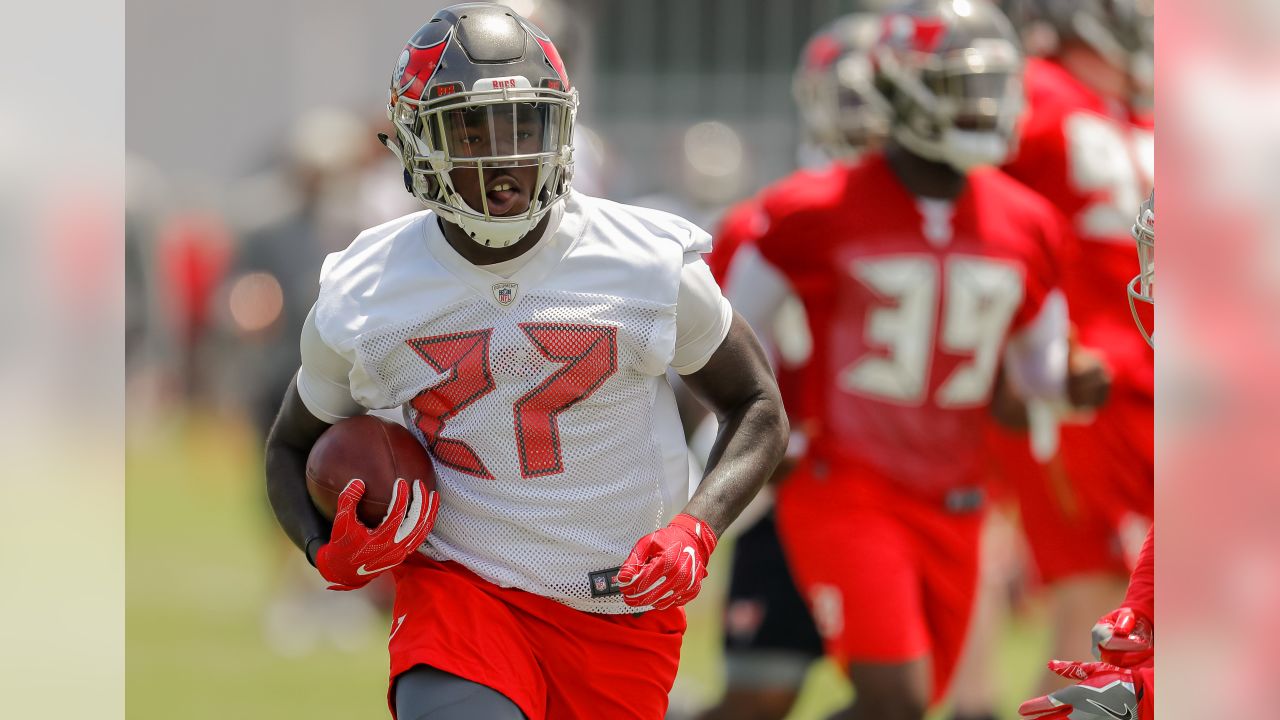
<point x="425" y="693"/>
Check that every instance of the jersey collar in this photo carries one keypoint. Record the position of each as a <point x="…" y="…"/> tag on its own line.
<point x="563" y="231"/>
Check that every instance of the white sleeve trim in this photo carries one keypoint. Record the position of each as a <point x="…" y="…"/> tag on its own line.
<point x="758" y="292"/>
<point x="324" y="381"/>
<point x="1036" y="358"/>
<point x="703" y="316"/>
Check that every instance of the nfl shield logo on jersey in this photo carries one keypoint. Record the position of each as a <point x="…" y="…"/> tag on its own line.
<point x="505" y="293"/>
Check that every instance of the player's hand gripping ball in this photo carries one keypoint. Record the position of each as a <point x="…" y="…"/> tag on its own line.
<point x="666" y="568"/>
<point x="377" y="451"/>
<point x="376" y="481"/>
<point x="356" y="554"/>
<point x="1103" y="692"/>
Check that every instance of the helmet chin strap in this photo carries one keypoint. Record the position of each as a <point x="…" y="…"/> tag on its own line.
<point x="962" y="150"/>
<point x="504" y="232"/>
<point x="967" y="149"/>
<point x="494" y="233"/>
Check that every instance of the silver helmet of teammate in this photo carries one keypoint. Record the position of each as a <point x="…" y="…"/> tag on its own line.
<point x="949" y="75"/>
<point x="479" y="87"/>
<point x="1142" y="287"/>
<point x="832" y="86"/>
<point x="1121" y="31"/>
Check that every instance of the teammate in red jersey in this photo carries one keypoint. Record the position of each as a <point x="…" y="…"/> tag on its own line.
<point x="1122" y="683"/>
<point x="918" y="269"/>
<point x="770" y="640"/>
<point x="1087" y="145"/>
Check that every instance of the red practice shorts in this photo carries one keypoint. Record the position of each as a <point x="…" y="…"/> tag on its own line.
<point x="550" y="660"/>
<point x="1068" y="536"/>
<point x="890" y="577"/>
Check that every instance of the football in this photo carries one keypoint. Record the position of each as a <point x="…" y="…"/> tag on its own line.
<point x="372" y="449"/>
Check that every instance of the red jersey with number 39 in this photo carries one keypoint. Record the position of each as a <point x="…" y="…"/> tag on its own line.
<point x="909" y="305"/>
<point x="1095" y="161"/>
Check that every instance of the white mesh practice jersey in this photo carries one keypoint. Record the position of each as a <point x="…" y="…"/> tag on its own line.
<point x="541" y="397"/>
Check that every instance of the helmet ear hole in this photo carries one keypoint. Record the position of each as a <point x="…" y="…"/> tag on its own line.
<point x="408" y="182"/>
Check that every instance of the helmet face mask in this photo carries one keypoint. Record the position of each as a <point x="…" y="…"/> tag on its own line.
<point x="951" y="82"/>
<point x="485" y="137"/>
<point x="1142" y="286"/>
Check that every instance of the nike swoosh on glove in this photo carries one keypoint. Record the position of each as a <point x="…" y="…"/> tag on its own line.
<point x="666" y="568"/>
<point x="1125" y="638"/>
<point x="355" y="554"/>
<point x="1104" y="692"/>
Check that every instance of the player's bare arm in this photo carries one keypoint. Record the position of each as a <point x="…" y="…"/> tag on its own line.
<point x="1006" y="407"/>
<point x="290" y="440"/>
<point x="296" y="429"/>
<point x="666" y="568"/>
<point x="737" y="385"/>
<point x="345" y="551"/>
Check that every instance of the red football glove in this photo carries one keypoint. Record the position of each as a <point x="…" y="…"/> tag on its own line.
<point x="665" y="569"/>
<point x="355" y="554"/>
<point x="1105" y="692"/>
<point x="1124" y="638"/>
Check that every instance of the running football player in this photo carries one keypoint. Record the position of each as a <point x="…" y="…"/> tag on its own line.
<point x="525" y="330"/>
<point x="919" y="268"/>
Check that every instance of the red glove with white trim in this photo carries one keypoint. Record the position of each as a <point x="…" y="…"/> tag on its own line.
<point x="1124" y="637"/>
<point x="355" y="555"/>
<point x="666" y="568"/>
<point x="1104" y="692"/>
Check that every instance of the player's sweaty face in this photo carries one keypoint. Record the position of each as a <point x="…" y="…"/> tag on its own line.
<point x="504" y="187"/>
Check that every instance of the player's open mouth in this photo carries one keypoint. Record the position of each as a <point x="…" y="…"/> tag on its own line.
<point x="503" y="194"/>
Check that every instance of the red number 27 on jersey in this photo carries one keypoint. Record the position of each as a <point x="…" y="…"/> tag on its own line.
<point x="588" y="355"/>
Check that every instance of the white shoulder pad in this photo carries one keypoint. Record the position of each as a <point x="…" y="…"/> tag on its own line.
<point x="345" y="264"/>
<point x="349" y="277"/>
<point x="655" y="223"/>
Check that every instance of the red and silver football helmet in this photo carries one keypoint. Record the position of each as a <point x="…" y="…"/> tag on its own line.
<point x="1142" y="287"/>
<point x="832" y="86"/>
<point x="949" y="73"/>
<point x="1121" y="31"/>
<point x="479" y="87"/>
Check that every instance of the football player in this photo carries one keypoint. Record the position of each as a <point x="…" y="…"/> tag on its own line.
<point x="525" y="330"/>
<point x="1121" y="684"/>
<point x="918" y="268"/>
<point x="769" y="638"/>
<point x="1087" y="145"/>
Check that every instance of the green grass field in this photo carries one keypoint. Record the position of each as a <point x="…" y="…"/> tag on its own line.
<point x="201" y="555"/>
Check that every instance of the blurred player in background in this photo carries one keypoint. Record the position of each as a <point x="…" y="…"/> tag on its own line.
<point x="1121" y="684"/>
<point x="769" y="638"/>
<point x="525" y="330"/>
<point x="292" y="217"/>
<point x="329" y="186"/>
<point x="917" y="268"/>
<point x="1087" y="145"/>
